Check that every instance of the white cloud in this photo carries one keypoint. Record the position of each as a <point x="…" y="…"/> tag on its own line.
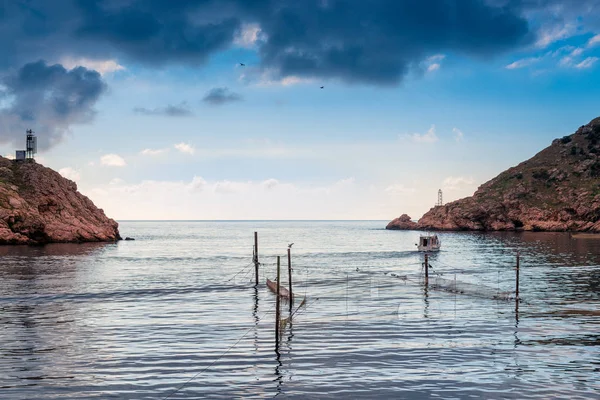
<point x="256" y="152"/>
<point x="185" y="148"/>
<point x="455" y="183"/>
<point x="249" y="35"/>
<point x="153" y="152"/>
<point x="345" y="182"/>
<point x="293" y="80"/>
<point x="593" y="41"/>
<point x="102" y="66"/>
<point x="577" y="52"/>
<point x="569" y="57"/>
<point x="270" y="183"/>
<point x="433" y="63"/>
<point x="112" y="160"/>
<point x="116" y="181"/>
<point x="566" y="61"/>
<point x="285" y="81"/>
<point x="225" y="199"/>
<point x="271" y="77"/>
<point x="551" y="34"/>
<point x="587" y="63"/>
<point x="458" y="135"/>
<point x="197" y="184"/>
<point x="437" y="57"/>
<point x="229" y="186"/>
<point x="70" y="173"/>
<point x="398" y="188"/>
<point x="524" y="62"/>
<point x="561" y="50"/>
<point x="433" y="67"/>
<point x="569" y="60"/>
<point x="428" y="137"/>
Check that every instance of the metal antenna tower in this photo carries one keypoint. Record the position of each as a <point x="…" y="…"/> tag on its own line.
<point x="31" y="145"/>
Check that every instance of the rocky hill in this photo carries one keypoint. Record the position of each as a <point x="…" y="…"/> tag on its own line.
<point x="38" y="205"/>
<point x="556" y="190"/>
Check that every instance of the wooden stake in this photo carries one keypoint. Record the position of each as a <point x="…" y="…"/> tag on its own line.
<point x="346" y="295"/>
<point x="426" y="269"/>
<point x="290" y="277"/>
<point x="517" y="282"/>
<point x="256" y="258"/>
<point x="277" y="310"/>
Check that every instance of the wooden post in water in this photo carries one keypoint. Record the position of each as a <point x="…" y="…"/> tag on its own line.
<point x="256" y="258"/>
<point x="290" y="277"/>
<point x="346" y="295"/>
<point x="277" y="310"/>
<point x="517" y="280"/>
<point x="426" y="269"/>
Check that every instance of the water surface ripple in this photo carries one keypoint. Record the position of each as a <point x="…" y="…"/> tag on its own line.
<point x="176" y="309"/>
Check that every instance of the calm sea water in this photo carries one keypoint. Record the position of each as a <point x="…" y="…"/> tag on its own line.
<point x="167" y="312"/>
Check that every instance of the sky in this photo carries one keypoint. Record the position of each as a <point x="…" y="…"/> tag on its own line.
<point x="287" y="109"/>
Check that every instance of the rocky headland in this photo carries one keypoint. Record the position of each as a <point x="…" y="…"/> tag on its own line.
<point x="38" y="206"/>
<point x="556" y="190"/>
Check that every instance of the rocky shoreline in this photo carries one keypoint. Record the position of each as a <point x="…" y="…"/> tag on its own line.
<point x="39" y="206"/>
<point x="556" y="190"/>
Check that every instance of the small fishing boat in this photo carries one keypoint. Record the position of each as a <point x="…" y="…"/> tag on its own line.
<point x="429" y="243"/>
<point x="283" y="292"/>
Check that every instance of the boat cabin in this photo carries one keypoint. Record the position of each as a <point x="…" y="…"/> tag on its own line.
<point x="429" y="243"/>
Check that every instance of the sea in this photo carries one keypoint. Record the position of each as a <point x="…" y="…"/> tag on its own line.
<point x="176" y="314"/>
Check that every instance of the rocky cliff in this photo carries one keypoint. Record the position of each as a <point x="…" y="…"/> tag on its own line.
<point x="403" y="223"/>
<point x="556" y="190"/>
<point x="38" y="205"/>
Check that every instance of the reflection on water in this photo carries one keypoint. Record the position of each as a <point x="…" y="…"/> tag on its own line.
<point x="55" y="249"/>
<point x="139" y="320"/>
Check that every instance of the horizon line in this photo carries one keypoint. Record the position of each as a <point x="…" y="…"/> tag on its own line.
<point x="248" y="220"/>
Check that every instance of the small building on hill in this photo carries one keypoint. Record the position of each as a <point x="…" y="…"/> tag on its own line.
<point x="30" y="147"/>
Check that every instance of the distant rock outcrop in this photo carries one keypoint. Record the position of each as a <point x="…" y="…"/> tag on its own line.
<point x="38" y="205"/>
<point x="556" y="190"/>
<point x="403" y="222"/>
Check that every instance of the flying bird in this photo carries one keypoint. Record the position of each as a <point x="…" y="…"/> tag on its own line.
<point x="322" y="87"/>
<point x="242" y="65"/>
<point x="290" y="245"/>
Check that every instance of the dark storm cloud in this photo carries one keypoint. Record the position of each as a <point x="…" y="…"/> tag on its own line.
<point x="221" y="95"/>
<point x="585" y="13"/>
<point x="357" y="41"/>
<point x="47" y="98"/>
<point x="375" y="41"/>
<point x="181" y="110"/>
<point x="379" y="41"/>
<point x="158" y="31"/>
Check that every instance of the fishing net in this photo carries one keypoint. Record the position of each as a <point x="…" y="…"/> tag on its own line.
<point x="473" y="289"/>
<point x="285" y="321"/>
